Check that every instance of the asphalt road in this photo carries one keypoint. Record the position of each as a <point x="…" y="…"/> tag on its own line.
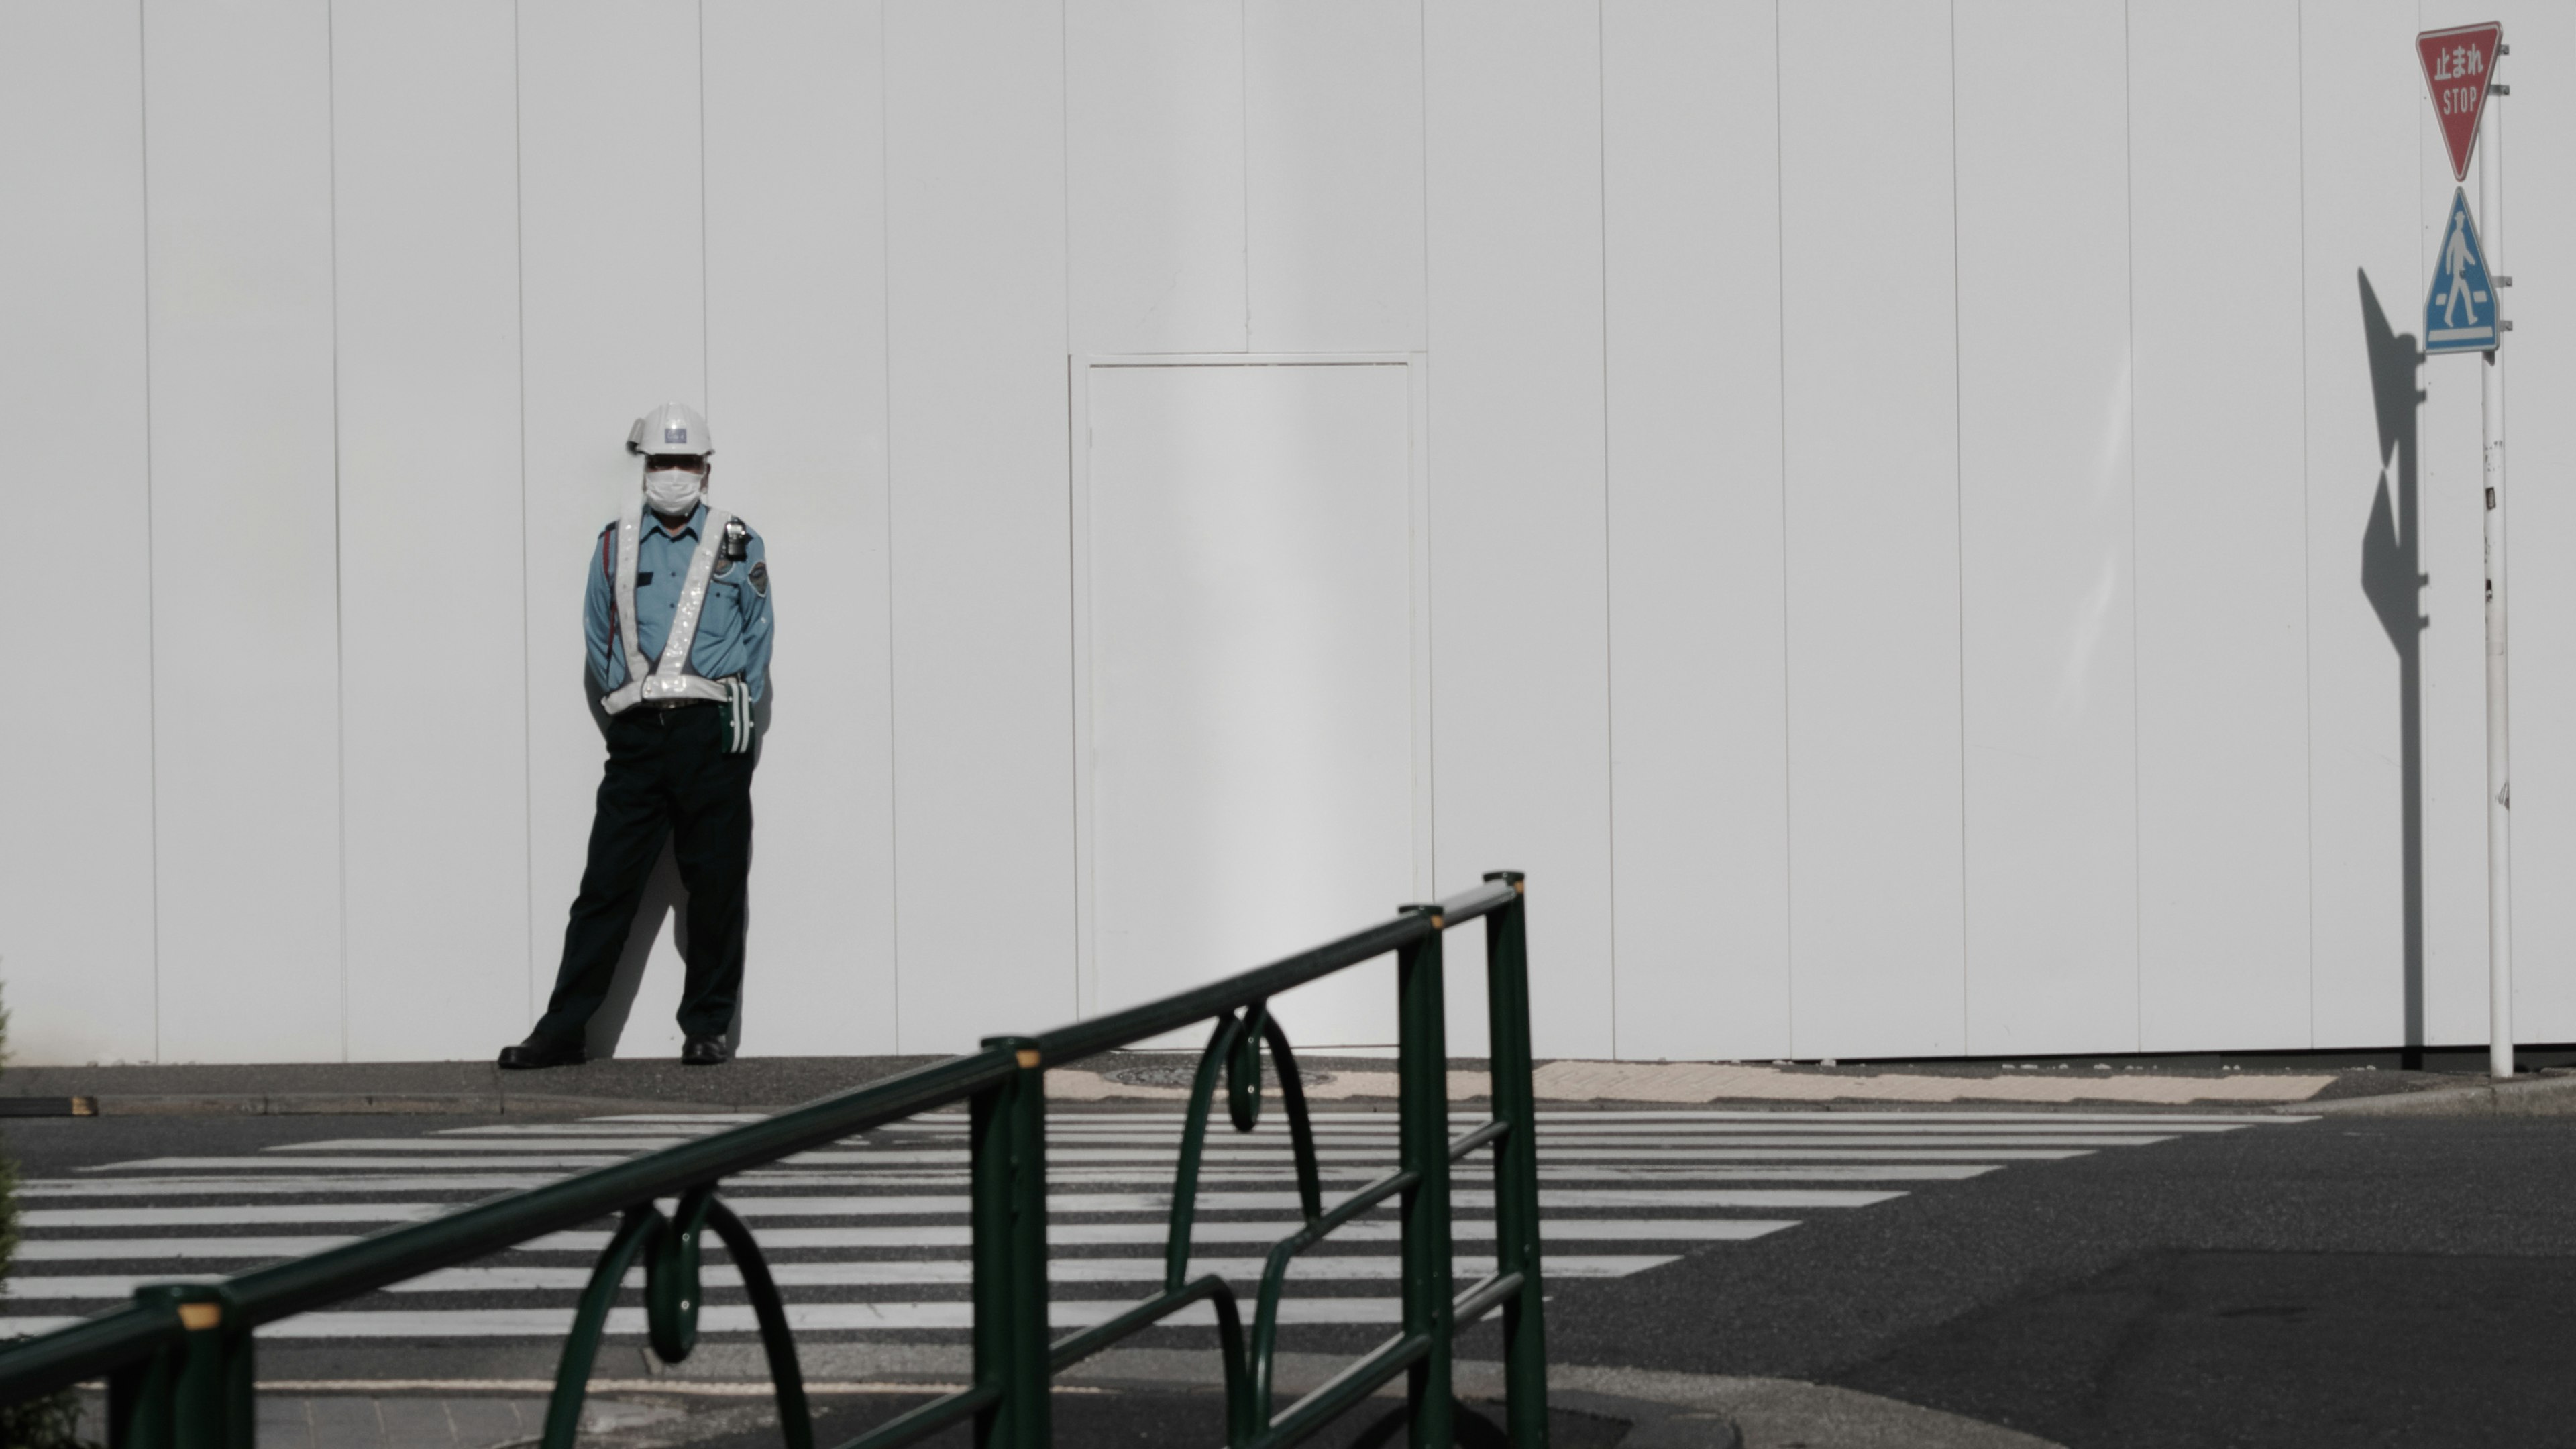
<point x="2333" y="1283"/>
<point x="2403" y="1282"/>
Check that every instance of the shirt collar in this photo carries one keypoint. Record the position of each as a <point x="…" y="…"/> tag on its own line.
<point x="697" y="519"/>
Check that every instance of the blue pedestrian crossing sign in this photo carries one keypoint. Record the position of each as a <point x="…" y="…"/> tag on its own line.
<point x="2460" y="315"/>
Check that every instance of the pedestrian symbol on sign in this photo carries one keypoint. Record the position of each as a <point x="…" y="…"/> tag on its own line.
<point x="2460" y="315"/>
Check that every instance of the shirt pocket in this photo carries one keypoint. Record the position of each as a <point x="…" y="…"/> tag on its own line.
<point x="722" y="618"/>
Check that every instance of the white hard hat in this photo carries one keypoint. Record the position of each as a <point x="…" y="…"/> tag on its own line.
<point x="671" y="428"/>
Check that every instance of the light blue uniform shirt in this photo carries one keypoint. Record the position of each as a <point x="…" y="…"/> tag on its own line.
<point x="733" y="630"/>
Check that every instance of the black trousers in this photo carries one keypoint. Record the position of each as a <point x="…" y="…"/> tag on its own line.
<point x="669" y="778"/>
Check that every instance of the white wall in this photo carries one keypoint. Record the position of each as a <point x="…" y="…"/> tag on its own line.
<point x="796" y="366"/>
<point x="1698" y="712"/>
<point x="976" y="368"/>
<point x="1870" y="417"/>
<point x="77" y="889"/>
<point x="1520" y="644"/>
<point x="427" y="242"/>
<point x="246" y="615"/>
<point x="2047" y="550"/>
<point x="1896" y="480"/>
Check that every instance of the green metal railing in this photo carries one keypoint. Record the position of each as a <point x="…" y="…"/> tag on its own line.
<point x="178" y="1361"/>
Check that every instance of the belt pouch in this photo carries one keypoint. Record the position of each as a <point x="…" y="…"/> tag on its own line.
<point x="734" y="717"/>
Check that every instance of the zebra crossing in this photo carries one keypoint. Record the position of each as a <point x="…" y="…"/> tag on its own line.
<point x="870" y="1234"/>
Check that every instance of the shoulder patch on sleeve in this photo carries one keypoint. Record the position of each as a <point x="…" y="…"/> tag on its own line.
<point x="760" y="578"/>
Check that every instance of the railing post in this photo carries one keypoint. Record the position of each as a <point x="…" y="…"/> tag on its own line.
<point x="1009" y="1213"/>
<point x="1516" y="1245"/>
<point x="1422" y="1093"/>
<point x="192" y="1394"/>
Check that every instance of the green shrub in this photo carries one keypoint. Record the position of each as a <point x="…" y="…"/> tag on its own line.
<point x="52" y="1422"/>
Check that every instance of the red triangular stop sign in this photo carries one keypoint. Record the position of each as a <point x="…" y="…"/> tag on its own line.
<point x="2457" y="65"/>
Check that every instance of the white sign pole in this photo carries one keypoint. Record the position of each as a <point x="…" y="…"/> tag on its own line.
<point x="2499" y="784"/>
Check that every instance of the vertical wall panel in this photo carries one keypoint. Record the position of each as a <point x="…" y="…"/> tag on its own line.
<point x="2222" y="529"/>
<point x="1870" y="376"/>
<point x="2358" y="99"/>
<point x="797" y="388"/>
<point x="612" y="277"/>
<point x="1332" y="137"/>
<point x="975" y="229"/>
<point x="1250" y="575"/>
<point x="2049" y="709"/>
<point x="1153" y="93"/>
<point x="76" y="868"/>
<point x="1519" y="616"/>
<point x="425" y="160"/>
<point x="1699" y="778"/>
<point x="2540" y="214"/>
<point x="237" y="131"/>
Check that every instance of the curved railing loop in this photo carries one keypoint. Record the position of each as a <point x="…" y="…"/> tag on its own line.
<point x="1243" y="1068"/>
<point x="1301" y="1130"/>
<point x="1185" y="1174"/>
<point x="786" y="1376"/>
<point x="674" y="1292"/>
<point x="635" y="1232"/>
<point x="671" y="1288"/>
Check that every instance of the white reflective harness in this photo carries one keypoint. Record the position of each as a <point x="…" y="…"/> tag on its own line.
<point x="671" y="679"/>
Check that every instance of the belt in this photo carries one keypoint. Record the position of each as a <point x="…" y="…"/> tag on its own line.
<point x="659" y="711"/>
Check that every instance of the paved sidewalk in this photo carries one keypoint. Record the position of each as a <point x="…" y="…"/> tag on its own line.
<point x="289" y="1418"/>
<point x="1704" y="1082"/>
<point x="767" y="1083"/>
<point x="1147" y="1397"/>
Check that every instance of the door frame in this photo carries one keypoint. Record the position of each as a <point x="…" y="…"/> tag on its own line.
<point x="1079" y="369"/>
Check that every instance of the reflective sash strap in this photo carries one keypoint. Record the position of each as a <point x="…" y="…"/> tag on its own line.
<point x="672" y="680"/>
<point x="667" y="681"/>
<point x="629" y="529"/>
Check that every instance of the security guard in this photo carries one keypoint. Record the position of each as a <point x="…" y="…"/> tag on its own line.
<point x="678" y="618"/>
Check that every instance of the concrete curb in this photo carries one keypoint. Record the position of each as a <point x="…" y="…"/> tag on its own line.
<point x="2530" y="1097"/>
<point x="1670" y="1410"/>
<point x="1686" y="1410"/>
<point x="360" y="1104"/>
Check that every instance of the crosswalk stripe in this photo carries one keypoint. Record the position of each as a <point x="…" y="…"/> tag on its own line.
<point x="894" y="1206"/>
<point x="178" y="1250"/>
<point x="1557" y="1132"/>
<point x="879" y="1272"/>
<point x="1338" y="1148"/>
<point x="1557" y="1154"/>
<point x="945" y="1235"/>
<point x="737" y="1318"/>
<point x="310" y="1161"/>
<point x="358" y="1183"/>
<point x="231" y="1164"/>
<point x="1385" y="1151"/>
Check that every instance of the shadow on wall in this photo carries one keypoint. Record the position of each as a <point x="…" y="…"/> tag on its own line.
<point x="665" y="899"/>
<point x="2391" y="575"/>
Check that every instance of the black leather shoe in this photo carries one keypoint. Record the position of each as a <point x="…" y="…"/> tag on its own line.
<point x="543" y="1051"/>
<point x="705" y="1051"/>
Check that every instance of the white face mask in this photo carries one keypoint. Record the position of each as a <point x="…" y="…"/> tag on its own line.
<point x="672" y="491"/>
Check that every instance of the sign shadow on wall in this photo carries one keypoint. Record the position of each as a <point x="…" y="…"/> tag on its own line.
<point x="2393" y="579"/>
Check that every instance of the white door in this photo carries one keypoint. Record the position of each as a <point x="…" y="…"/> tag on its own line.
<point x="1249" y="600"/>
